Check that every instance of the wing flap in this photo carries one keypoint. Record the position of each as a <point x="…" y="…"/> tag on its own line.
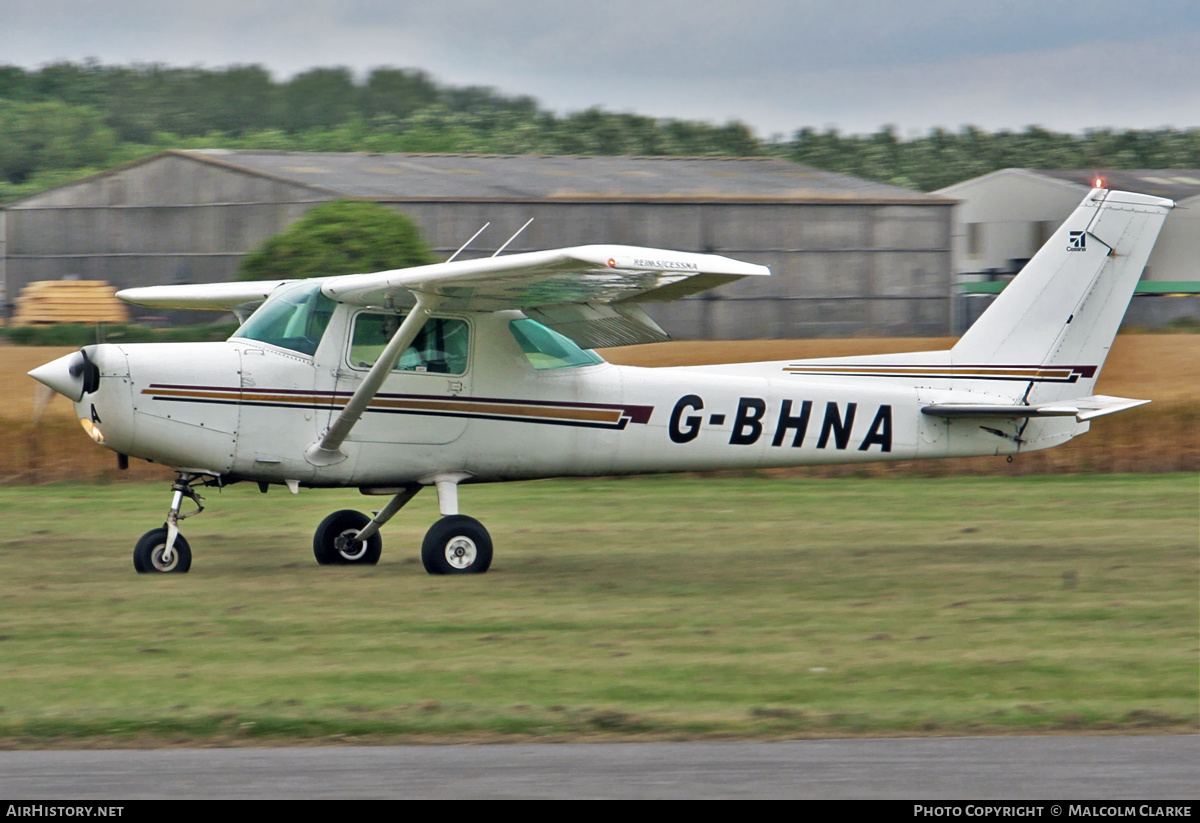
<point x="595" y="326"/>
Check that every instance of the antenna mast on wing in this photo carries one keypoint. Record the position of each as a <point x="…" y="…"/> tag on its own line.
<point x="469" y="242"/>
<point x="514" y="237"/>
<point x="476" y="234"/>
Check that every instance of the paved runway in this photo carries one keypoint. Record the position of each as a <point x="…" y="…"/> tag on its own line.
<point x="1012" y="768"/>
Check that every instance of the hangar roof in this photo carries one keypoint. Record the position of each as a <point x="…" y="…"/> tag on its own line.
<point x="1177" y="184"/>
<point x="530" y="177"/>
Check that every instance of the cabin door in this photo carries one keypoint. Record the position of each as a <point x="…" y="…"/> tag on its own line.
<point x="425" y="398"/>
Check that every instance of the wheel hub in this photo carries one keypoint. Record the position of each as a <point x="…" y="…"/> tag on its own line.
<point x="156" y="558"/>
<point x="461" y="552"/>
<point x="348" y="547"/>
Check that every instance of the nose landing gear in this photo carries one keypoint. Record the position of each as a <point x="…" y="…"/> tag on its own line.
<point x="164" y="549"/>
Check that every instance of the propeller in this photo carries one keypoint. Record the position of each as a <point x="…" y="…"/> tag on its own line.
<point x="42" y="395"/>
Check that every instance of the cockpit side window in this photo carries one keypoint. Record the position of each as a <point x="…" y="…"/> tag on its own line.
<point x="547" y="349"/>
<point x="294" y="318"/>
<point x="440" y="347"/>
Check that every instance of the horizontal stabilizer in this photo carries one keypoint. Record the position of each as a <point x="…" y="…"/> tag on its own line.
<point x="1081" y="408"/>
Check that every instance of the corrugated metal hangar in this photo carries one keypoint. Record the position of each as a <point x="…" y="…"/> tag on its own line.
<point x="1004" y="217"/>
<point x="848" y="256"/>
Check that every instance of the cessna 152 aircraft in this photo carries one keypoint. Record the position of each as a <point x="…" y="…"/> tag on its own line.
<point x="480" y="370"/>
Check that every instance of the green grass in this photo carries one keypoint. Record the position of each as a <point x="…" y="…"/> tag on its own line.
<point x="658" y="607"/>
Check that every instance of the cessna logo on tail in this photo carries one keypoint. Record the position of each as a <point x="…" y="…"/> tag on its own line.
<point x="1078" y="241"/>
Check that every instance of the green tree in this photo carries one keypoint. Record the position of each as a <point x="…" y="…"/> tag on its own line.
<point x="245" y="98"/>
<point x="397" y="92"/>
<point x="319" y="98"/>
<point x="14" y="83"/>
<point x="39" y="136"/>
<point x="342" y="237"/>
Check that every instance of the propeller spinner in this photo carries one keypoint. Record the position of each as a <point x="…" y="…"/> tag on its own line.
<point x="72" y="375"/>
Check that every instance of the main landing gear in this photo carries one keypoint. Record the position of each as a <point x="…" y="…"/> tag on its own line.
<point x="456" y="544"/>
<point x="335" y="541"/>
<point x="164" y="549"/>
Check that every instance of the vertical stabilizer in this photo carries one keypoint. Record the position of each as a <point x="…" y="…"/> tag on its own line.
<point x="1065" y="306"/>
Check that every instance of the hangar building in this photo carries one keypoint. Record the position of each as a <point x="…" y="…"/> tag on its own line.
<point x="848" y="256"/>
<point x="1004" y="217"/>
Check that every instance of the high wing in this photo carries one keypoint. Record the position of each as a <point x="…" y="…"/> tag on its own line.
<point x="583" y="274"/>
<point x="588" y="293"/>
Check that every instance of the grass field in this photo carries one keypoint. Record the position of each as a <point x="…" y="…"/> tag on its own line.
<point x="640" y="608"/>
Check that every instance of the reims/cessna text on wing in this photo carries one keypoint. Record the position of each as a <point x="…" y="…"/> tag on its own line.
<point x="480" y="371"/>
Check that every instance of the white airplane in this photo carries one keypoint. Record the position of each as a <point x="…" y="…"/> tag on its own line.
<point x="481" y="371"/>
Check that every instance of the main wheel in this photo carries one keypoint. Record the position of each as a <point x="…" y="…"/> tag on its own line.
<point x="334" y="544"/>
<point x="457" y="545"/>
<point x="148" y="553"/>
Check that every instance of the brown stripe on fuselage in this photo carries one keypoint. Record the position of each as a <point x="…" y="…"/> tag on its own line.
<point x="506" y="409"/>
<point x="1059" y="373"/>
<point x="520" y="409"/>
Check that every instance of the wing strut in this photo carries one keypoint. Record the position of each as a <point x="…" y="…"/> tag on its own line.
<point x="327" y="451"/>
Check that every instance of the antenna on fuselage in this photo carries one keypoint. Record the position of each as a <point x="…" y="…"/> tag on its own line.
<point x="514" y="237"/>
<point x="473" y="236"/>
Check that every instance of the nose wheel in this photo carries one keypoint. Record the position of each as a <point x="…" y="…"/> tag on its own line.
<point x="150" y="553"/>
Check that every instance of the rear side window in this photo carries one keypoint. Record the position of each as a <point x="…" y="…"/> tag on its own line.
<point x="547" y="349"/>
<point x="440" y="348"/>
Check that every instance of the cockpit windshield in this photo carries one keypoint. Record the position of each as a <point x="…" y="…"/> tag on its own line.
<point x="293" y="318"/>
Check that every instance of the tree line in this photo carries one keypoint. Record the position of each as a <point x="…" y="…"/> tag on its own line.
<point x="941" y="158"/>
<point x="66" y="120"/>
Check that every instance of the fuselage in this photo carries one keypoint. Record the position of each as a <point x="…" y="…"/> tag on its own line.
<point x="495" y="406"/>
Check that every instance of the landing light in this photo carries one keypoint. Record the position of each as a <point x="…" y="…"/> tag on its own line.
<point x="92" y="429"/>
<point x="1098" y="183"/>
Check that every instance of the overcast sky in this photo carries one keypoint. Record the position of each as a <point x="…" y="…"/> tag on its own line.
<point x="777" y="65"/>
